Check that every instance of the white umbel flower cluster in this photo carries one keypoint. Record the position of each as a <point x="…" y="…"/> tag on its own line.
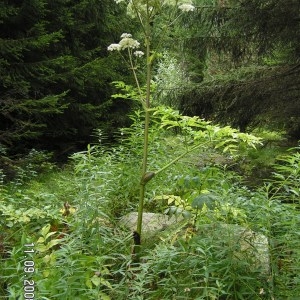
<point x="138" y="53"/>
<point x="142" y="5"/>
<point x="126" y="42"/>
<point x="186" y="7"/>
<point x="113" y="47"/>
<point x="126" y="35"/>
<point x="129" y="42"/>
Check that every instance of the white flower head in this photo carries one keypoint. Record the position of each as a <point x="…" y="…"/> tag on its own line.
<point x="138" y="53"/>
<point x="126" y="35"/>
<point x="128" y="42"/>
<point x="119" y="1"/>
<point x="113" y="47"/>
<point x="185" y="7"/>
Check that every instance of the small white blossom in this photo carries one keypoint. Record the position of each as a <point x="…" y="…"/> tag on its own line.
<point x="119" y="1"/>
<point x="261" y="291"/>
<point x="129" y="42"/>
<point x="186" y="7"/>
<point x="138" y="53"/>
<point x="126" y="42"/>
<point x="126" y="35"/>
<point x="113" y="47"/>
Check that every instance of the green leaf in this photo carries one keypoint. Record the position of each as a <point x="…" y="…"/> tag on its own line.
<point x="45" y="230"/>
<point x="46" y="273"/>
<point x="173" y="210"/>
<point x="10" y="224"/>
<point x="53" y="243"/>
<point x="104" y="296"/>
<point x="186" y="214"/>
<point x="41" y="248"/>
<point x="96" y="280"/>
<point x="49" y="234"/>
<point x="105" y="283"/>
<point x="204" y="199"/>
<point x="41" y="240"/>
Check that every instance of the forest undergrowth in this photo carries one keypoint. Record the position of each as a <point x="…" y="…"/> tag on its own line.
<point x="234" y="196"/>
<point x="61" y="237"/>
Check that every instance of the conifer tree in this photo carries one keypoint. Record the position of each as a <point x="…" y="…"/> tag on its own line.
<point x="251" y="63"/>
<point x="54" y="74"/>
<point x="25" y="73"/>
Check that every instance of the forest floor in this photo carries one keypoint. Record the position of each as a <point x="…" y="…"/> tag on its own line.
<point x="61" y="237"/>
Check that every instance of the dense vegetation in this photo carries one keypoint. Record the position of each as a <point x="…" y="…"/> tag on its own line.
<point x="233" y="61"/>
<point x="87" y="254"/>
<point x="55" y="74"/>
<point x="242" y="63"/>
<point x="234" y="195"/>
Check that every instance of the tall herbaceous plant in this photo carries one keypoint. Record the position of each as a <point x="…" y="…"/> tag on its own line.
<point x="198" y="132"/>
<point x="145" y="11"/>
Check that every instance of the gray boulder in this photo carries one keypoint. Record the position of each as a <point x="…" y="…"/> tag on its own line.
<point x="243" y="242"/>
<point x="151" y="222"/>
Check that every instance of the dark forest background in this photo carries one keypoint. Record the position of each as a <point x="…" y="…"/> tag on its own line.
<point x="240" y="59"/>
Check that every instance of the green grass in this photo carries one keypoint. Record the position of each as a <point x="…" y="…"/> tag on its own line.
<point x="87" y="255"/>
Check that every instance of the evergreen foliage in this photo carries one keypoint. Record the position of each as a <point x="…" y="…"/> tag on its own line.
<point x="55" y="73"/>
<point x="248" y="63"/>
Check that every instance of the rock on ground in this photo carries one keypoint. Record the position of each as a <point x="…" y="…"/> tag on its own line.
<point x="244" y="241"/>
<point x="151" y="222"/>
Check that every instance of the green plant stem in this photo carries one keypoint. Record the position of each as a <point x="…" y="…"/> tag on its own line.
<point x="134" y="75"/>
<point x="146" y="130"/>
<point x="179" y="157"/>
